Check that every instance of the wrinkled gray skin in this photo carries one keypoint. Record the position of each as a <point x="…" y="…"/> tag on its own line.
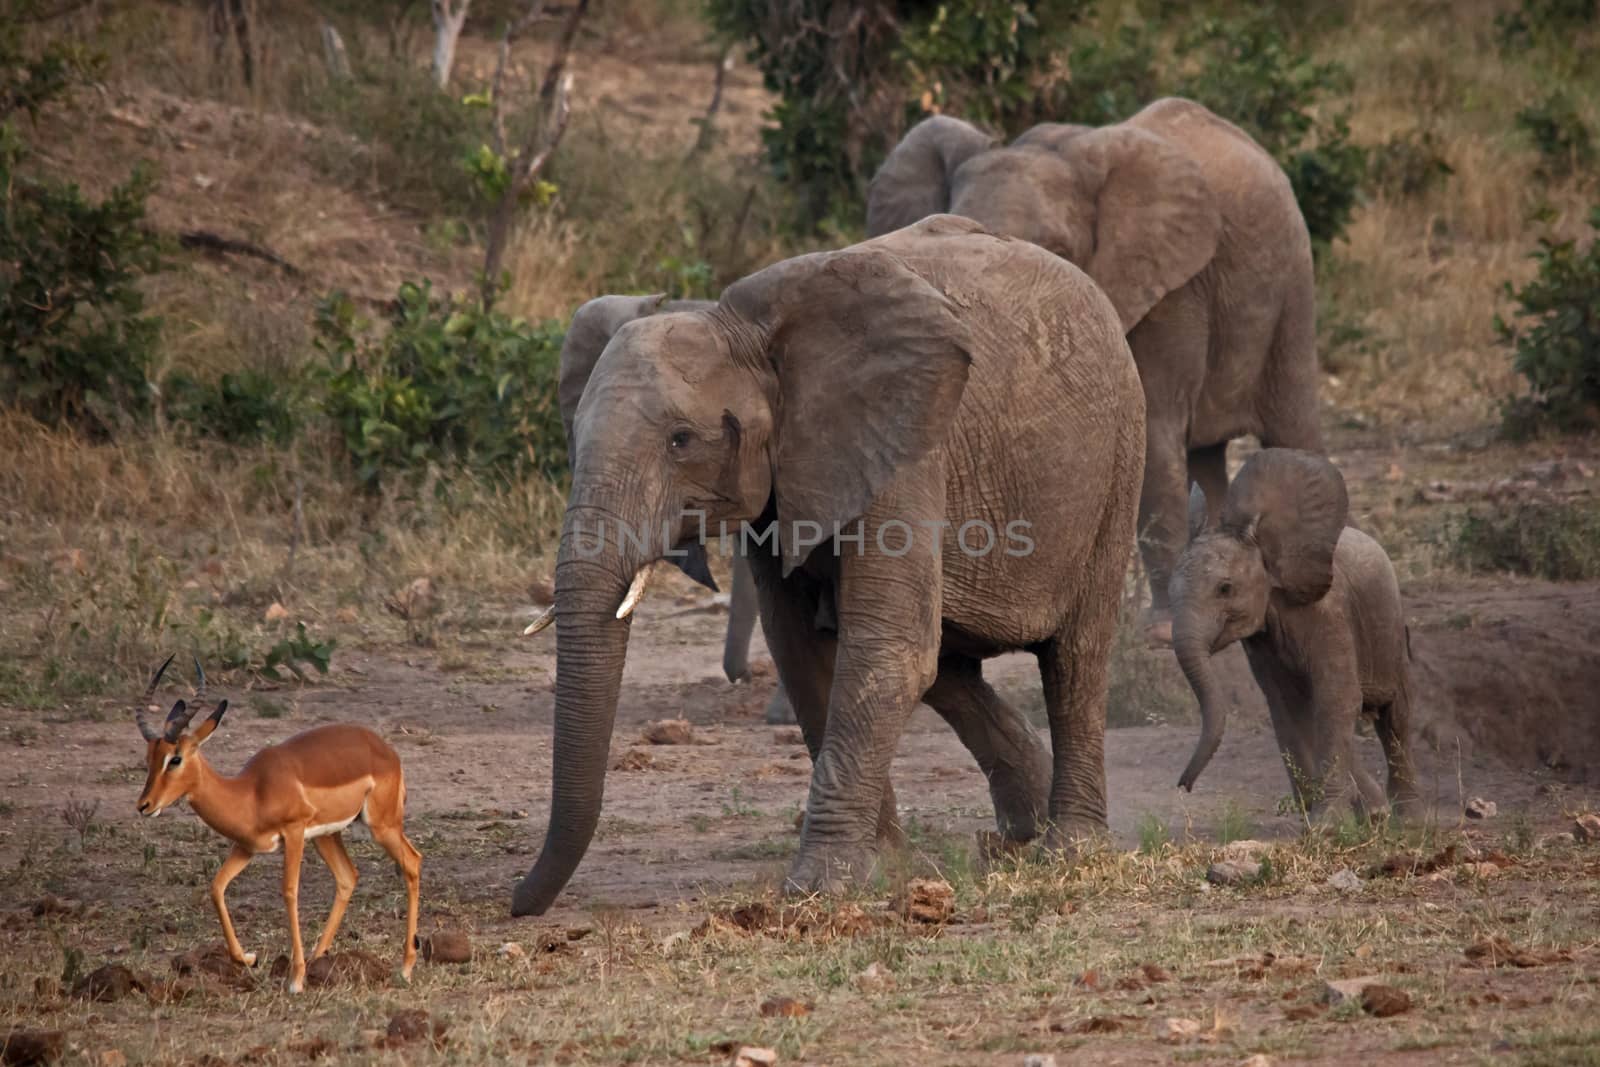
<point x="1318" y="609"/>
<point x="591" y="330"/>
<point x="939" y="374"/>
<point x="1193" y="231"/>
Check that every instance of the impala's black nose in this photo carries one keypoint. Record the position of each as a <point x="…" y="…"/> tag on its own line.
<point x="144" y="807"/>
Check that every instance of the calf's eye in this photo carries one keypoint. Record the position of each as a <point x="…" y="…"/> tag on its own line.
<point x="681" y="439"/>
<point x="1225" y="589"/>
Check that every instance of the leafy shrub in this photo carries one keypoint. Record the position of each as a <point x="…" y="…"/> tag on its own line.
<point x="1409" y="164"/>
<point x="446" y="383"/>
<point x="75" y="344"/>
<point x="1556" y="541"/>
<point x="1557" y="339"/>
<point x="1559" y="131"/>
<point x="1539" y="20"/>
<point x="239" y="408"/>
<point x="1106" y="80"/>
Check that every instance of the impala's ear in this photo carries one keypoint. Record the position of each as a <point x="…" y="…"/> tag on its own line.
<point x="209" y="727"/>
<point x="870" y="363"/>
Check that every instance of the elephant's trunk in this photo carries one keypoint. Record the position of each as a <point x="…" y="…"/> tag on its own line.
<point x="1191" y="642"/>
<point x="591" y="645"/>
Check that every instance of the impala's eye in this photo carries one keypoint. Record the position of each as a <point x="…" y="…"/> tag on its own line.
<point x="681" y="439"/>
<point x="1225" y="589"/>
<point x="174" y="763"/>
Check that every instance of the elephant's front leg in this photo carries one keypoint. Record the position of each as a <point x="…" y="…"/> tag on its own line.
<point x="1336" y="787"/>
<point x="888" y="611"/>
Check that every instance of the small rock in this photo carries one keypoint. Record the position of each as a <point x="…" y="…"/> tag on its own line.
<point x="669" y="732"/>
<point x="113" y="1057"/>
<point x="1234" y="872"/>
<point x="511" y="951"/>
<point x="276" y="612"/>
<point x="50" y="904"/>
<point x="751" y="1056"/>
<point x="784" y="1008"/>
<point x="1338" y="991"/>
<point x="1481" y="870"/>
<point x="930" y="901"/>
<point x="1560" y="840"/>
<point x="1345" y="880"/>
<point x="1384" y="1001"/>
<point x="1479" y="808"/>
<point x="1248" y="849"/>
<point x="1177" y="1031"/>
<point x="347" y="615"/>
<point x="1586" y="828"/>
<point x="635" y="759"/>
<point x="447" y="946"/>
<point x="1038" y="1059"/>
<point x="26" y="1048"/>
<point x="1258" y="1060"/>
<point x="108" y="983"/>
<point x="412" y="1025"/>
<point x="875" y="979"/>
<point x="213" y="962"/>
<point x="1155" y="973"/>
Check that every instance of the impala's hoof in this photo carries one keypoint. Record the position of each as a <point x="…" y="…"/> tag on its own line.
<point x="248" y="959"/>
<point x="297" y="986"/>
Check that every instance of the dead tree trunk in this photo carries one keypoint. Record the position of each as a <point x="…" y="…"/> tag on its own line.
<point x="448" y="18"/>
<point x="235" y="18"/>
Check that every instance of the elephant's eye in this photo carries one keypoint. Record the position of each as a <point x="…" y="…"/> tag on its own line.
<point x="681" y="439"/>
<point x="1225" y="589"/>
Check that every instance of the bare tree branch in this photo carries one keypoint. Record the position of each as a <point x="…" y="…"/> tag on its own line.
<point x="707" y="123"/>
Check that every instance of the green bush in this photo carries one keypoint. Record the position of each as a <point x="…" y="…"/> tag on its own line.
<point x="1542" y="20"/>
<point x="1409" y="164"/>
<point x="240" y="408"/>
<point x="447" y="383"/>
<point x="1556" y="541"/>
<point x="1556" y="336"/>
<point x="1107" y="79"/>
<point x="75" y="344"/>
<point x="1558" y="130"/>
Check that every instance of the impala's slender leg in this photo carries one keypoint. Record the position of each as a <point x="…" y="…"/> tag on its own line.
<point x="294" y="848"/>
<point x="409" y="860"/>
<point x="331" y="849"/>
<point x="237" y="860"/>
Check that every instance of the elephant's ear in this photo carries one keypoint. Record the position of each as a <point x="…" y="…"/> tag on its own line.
<point x="1156" y="219"/>
<point x="914" y="182"/>
<point x="1197" y="511"/>
<point x="1294" y="505"/>
<point x="591" y="330"/>
<point x="869" y="362"/>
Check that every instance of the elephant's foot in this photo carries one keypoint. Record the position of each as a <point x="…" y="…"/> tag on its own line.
<point x="829" y="868"/>
<point x="779" y="711"/>
<point x="1407" y="806"/>
<point x="1021" y="802"/>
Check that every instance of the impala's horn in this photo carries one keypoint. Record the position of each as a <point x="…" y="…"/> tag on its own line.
<point x="141" y="714"/>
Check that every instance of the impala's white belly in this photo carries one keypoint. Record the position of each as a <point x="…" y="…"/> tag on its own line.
<point x="330" y="827"/>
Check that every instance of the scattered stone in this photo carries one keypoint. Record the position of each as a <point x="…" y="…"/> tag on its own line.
<point x="511" y="951"/>
<point x="1234" y="872"/>
<point x="1177" y="1031"/>
<point x="1404" y="864"/>
<point x="1341" y="990"/>
<point x="27" y="1048"/>
<point x="635" y="759"/>
<point x="1384" y="1001"/>
<point x="1498" y="952"/>
<point x="1038" y="1059"/>
<point x="1154" y="973"/>
<point x="1482" y="870"/>
<point x="213" y="963"/>
<point x="108" y="983"/>
<point x="1248" y="849"/>
<point x="788" y="735"/>
<point x="113" y="1057"/>
<point x="784" y="1008"/>
<point x="1097" y="1024"/>
<point x="447" y="946"/>
<point x="315" y="1049"/>
<point x="411" y="1025"/>
<point x="751" y="1056"/>
<point x="1258" y="1060"/>
<point x="1344" y="880"/>
<point x="1586" y="828"/>
<point x="930" y="901"/>
<point x="669" y="732"/>
<point x="1560" y="840"/>
<point x="347" y="615"/>
<point x="1479" y="808"/>
<point x="276" y="612"/>
<point x="875" y="979"/>
<point x="51" y="905"/>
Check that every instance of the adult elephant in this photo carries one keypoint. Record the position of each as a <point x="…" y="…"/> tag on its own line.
<point x="956" y="418"/>
<point x="1194" y="233"/>
<point x="591" y="329"/>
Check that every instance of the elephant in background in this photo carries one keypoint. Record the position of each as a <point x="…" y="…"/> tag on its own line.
<point x="590" y="331"/>
<point x="898" y="394"/>
<point x="1317" y="606"/>
<point x="1193" y="231"/>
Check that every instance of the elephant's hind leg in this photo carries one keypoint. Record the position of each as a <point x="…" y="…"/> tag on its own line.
<point x="1001" y="740"/>
<point x="1074" y="665"/>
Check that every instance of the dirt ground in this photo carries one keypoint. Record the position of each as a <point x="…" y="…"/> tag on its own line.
<point x="1043" y="957"/>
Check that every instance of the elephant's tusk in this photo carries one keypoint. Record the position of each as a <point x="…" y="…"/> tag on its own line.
<point x="635" y="591"/>
<point x="546" y="617"/>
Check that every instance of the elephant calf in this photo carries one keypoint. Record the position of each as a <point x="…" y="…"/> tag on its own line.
<point x="1317" y="606"/>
